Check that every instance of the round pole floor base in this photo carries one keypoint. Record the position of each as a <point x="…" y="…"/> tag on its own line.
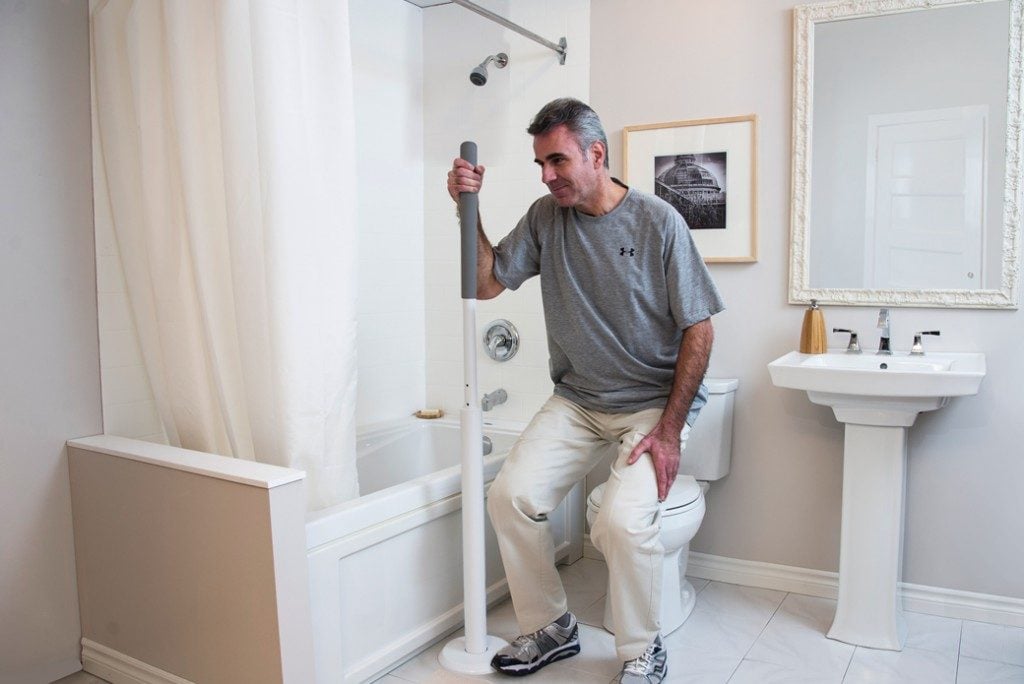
<point x="453" y="656"/>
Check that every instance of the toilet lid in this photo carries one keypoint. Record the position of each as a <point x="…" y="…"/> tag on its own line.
<point x="684" y="492"/>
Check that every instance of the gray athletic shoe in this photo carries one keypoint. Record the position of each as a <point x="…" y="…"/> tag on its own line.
<point x="530" y="652"/>
<point x="650" y="668"/>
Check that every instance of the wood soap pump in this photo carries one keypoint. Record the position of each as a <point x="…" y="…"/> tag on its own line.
<point x="812" y="335"/>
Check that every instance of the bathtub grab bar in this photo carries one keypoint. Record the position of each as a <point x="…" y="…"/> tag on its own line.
<point x="472" y="653"/>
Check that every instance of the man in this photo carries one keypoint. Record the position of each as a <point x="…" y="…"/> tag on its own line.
<point x="627" y="305"/>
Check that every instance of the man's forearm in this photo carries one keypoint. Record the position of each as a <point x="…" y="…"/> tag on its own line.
<point x="487" y="286"/>
<point x="692" y="364"/>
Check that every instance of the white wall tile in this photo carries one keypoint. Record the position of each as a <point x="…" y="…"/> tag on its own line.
<point x="126" y="384"/>
<point x="388" y="99"/>
<point x="120" y="348"/>
<point x="495" y="116"/>
<point x="134" y="419"/>
<point x="115" y="311"/>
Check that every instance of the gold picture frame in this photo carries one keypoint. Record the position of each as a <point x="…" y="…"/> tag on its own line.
<point x="707" y="169"/>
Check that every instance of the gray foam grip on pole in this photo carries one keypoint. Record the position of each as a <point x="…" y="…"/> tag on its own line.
<point x="468" y="205"/>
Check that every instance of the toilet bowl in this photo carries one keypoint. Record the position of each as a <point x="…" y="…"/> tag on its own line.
<point x="706" y="458"/>
<point x="681" y="515"/>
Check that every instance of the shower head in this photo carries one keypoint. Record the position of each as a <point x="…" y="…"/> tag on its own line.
<point x="478" y="76"/>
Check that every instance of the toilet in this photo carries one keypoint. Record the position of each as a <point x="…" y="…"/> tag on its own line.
<point x="705" y="459"/>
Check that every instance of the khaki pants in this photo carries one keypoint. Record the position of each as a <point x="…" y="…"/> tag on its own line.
<point x="557" y="449"/>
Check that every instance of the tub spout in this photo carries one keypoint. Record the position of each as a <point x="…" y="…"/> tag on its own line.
<point x="498" y="396"/>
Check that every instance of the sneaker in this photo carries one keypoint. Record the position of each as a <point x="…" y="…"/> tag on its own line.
<point x="530" y="652"/>
<point x="650" y="668"/>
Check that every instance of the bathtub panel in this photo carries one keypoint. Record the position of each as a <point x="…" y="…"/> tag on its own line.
<point x="404" y="582"/>
<point x="381" y="595"/>
<point x="386" y="569"/>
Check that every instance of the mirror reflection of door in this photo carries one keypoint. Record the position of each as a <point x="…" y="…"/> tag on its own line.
<point x="925" y="200"/>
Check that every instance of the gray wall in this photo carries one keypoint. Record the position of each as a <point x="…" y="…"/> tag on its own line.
<point x="664" y="60"/>
<point x="49" y="361"/>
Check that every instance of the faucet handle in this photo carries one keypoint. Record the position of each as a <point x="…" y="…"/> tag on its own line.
<point x="853" y="347"/>
<point x="918" y="349"/>
<point x="501" y="341"/>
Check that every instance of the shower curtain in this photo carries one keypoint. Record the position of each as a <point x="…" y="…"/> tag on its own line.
<point x="224" y="148"/>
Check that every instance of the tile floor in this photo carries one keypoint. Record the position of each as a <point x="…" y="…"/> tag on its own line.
<point x="81" y="678"/>
<point x="743" y="635"/>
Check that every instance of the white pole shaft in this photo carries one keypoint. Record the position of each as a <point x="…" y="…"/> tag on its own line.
<point x="473" y="551"/>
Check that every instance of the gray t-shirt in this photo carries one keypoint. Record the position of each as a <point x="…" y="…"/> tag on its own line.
<point x="618" y="290"/>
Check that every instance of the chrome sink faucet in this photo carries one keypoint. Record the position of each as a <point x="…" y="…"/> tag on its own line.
<point x="883" y="324"/>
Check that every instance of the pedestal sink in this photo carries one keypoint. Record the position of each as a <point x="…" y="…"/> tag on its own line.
<point x="878" y="398"/>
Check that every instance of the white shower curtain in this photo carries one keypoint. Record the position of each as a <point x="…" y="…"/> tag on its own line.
<point x="224" y="145"/>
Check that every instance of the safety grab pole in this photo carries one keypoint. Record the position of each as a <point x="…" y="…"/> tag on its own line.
<point x="472" y="653"/>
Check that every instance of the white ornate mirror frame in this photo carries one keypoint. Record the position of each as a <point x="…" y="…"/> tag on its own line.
<point x="800" y="291"/>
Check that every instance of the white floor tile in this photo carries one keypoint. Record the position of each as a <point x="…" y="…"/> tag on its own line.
<point x="585" y="581"/>
<point x="744" y="635"/>
<point x="597" y="654"/>
<point x="809" y="612"/>
<point x="933" y="633"/>
<point x="755" y="672"/>
<point x="972" y="671"/>
<point x="997" y="643"/>
<point x="909" y="666"/>
<point x="593" y="614"/>
<point x="426" y="668"/>
<point x="795" y="639"/>
<point x="693" y="666"/>
<point x="722" y="633"/>
<point x="698" y="583"/>
<point x="82" y="677"/>
<point x="745" y="602"/>
<point x="501" y="621"/>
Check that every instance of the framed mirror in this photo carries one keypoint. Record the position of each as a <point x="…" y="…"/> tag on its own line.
<point x="907" y="144"/>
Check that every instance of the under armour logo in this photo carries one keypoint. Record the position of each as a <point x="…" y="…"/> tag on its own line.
<point x="623" y="251"/>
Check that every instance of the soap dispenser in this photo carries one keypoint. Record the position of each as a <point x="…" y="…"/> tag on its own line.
<point x="812" y="335"/>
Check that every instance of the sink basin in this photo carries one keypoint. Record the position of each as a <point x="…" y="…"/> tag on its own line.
<point x="935" y="375"/>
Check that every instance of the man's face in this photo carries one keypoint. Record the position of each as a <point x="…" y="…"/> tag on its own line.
<point x="570" y="177"/>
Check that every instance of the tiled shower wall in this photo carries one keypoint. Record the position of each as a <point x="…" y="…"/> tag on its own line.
<point x="495" y="116"/>
<point x="387" y="63"/>
<point x="128" y="406"/>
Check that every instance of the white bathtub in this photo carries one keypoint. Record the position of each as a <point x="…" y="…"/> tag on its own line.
<point x="385" y="570"/>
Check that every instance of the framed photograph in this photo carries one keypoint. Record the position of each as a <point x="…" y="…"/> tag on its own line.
<point x="707" y="170"/>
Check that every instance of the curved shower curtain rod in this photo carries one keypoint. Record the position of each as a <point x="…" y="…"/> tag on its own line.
<point x="559" y="47"/>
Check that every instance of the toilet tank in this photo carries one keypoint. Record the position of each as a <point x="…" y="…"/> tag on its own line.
<point x="708" y="449"/>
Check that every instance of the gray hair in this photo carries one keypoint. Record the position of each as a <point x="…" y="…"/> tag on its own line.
<point x="579" y="118"/>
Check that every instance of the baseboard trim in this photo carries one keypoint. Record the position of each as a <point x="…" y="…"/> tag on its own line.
<point x="917" y="598"/>
<point x="118" y="668"/>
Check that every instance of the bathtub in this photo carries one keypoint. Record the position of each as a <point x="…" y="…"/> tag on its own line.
<point x="385" y="570"/>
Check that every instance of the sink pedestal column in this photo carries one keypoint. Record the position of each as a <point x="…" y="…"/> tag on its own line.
<point x="870" y="606"/>
<point x="877" y="398"/>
